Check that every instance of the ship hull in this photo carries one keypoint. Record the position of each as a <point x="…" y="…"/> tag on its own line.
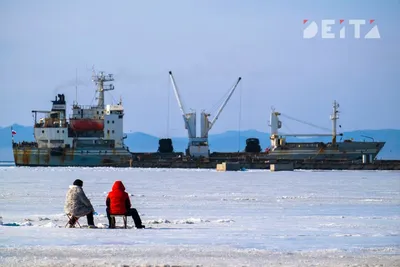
<point x="120" y="157"/>
<point x="349" y="151"/>
<point x="312" y="152"/>
<point x="34" y="157"/>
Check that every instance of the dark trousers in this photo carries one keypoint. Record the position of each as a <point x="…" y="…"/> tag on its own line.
<point x="131" y="212"/>
<point x="89" y="217"/>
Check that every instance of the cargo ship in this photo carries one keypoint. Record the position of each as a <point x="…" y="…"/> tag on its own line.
<point x="347" y="154"/>
<point x="347" y="150"/>
<point x="91" y="135"/>
<point x="197" y="154"/>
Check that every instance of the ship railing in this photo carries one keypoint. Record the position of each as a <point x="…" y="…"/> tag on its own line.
<point x="89" y="116"/>
<point x="304" y="145"/>
<point x="52" y="124"/>
<point x="86" y="107"/>
<point x="25" y="144"/>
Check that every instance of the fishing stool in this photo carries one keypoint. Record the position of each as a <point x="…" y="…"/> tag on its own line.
<point x="70" y="217"/>
<point x="112" y="216"/>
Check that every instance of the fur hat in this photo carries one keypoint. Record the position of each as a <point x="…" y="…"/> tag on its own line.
<point x="78" y="182"/>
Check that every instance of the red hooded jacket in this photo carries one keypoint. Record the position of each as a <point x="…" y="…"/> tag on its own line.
<point x="118" y="200"/>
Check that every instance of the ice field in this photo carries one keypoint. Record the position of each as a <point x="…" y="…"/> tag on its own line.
<point x="204" y="218"/>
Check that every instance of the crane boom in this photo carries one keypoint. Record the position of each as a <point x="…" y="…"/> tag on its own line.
<point x="223" y="104"/>
<point x="188" y="118"/>
<point x="178" y="97"/>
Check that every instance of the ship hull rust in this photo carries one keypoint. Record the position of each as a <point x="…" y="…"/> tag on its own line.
<point x="36" y="157"/>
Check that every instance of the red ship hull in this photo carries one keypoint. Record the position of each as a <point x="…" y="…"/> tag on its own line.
<point x="86" y="124"/>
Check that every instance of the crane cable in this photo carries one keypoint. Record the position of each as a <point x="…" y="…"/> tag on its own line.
<point x="304" y="122"/>
<point x="217" y="105"/>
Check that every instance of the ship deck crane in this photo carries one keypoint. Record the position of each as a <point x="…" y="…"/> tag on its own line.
<point x="275" y="123"/>
<point x="198" y="146"/>
<point x="188" y="117"/>
<point x="206" y="125"/>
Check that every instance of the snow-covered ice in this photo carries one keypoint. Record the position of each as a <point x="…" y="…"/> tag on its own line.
<point x="205" y="218"/>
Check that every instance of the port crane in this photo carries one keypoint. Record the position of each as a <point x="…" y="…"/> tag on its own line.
<point x="198" y="146"/>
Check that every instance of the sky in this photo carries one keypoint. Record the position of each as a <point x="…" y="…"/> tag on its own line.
<point x="50" y="47"/>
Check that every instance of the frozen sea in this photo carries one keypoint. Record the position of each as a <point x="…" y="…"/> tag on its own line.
<point x="204" y="218"/>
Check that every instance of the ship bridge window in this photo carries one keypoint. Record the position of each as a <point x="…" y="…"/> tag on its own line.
<point x="112" y="121"/>
<point x="108" y="121"/>
<point x="79" y="112"/>
<point x="112" y="131"/>
<point x="58" y="131"/>
<point x="97" y="112"/>
<point x="42" y="131"/>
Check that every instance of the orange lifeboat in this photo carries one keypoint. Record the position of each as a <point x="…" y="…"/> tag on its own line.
<point x="87" y="124"/>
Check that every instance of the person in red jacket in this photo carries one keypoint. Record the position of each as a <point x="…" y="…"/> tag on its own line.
<point x="118" y="203"/>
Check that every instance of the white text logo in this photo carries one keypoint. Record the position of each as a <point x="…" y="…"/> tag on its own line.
<point x="352" y="28"/>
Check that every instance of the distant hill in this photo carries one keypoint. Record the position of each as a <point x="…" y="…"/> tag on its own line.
<point x="229" y="141"/>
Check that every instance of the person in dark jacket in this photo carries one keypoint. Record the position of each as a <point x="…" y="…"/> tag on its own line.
<point x="118" y="203"/>
<point x="78" y="205"/>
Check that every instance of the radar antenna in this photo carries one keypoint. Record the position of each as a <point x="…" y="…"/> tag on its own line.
<point x="100" y="79"/>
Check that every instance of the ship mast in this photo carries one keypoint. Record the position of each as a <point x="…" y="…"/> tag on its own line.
<point x="334" y="118"/>
<point x="100" y="79"/>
